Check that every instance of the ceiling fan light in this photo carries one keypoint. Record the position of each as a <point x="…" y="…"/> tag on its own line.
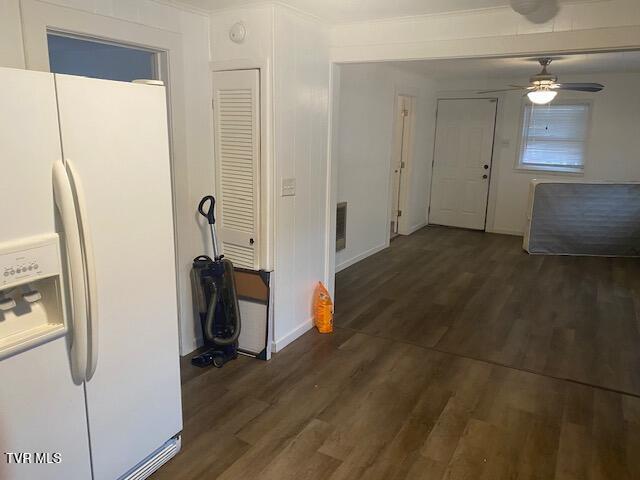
<point x="525" y="7"/>
<point x="541" y="97"/>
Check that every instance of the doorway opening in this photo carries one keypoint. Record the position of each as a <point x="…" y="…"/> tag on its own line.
<point x="404" y="117"/>
<point x="90" y="57"/>
<point x="468" y="291"/>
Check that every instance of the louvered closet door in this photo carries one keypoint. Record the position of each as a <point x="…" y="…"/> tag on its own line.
<point x="237" y="149"/>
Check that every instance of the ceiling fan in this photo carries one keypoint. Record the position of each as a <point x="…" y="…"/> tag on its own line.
<point x="544" y="87"/>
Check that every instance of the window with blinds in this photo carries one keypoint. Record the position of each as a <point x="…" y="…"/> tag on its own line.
<point x="554" y="136"/>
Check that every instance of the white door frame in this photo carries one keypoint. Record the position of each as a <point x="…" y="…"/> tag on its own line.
<point x="405" y="173"/>
<point x="40" y="17"/>
<point x="268" y="188"/>
<point x="333" y="126"/>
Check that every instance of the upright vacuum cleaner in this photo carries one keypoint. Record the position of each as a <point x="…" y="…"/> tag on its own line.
<point x="214" y="291"/>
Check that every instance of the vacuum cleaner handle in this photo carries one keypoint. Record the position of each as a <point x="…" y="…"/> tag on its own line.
<point x="209" y="213"/>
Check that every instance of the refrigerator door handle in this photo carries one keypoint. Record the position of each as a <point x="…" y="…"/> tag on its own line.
<point x="89" y="269"/>
<point x="63" y="196"/>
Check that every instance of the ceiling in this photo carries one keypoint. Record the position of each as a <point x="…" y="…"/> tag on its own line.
<point x="338" y="11"/>
<point x="613" y="62"/>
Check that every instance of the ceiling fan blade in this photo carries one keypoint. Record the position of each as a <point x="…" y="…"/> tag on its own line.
<point x="579" y="87"/>
<point x="502" y="90"/>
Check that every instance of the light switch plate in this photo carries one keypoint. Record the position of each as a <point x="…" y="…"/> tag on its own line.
<point x="288" y="187"/>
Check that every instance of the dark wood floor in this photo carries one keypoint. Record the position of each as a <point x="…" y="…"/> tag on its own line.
<point x="480" y="296"/>
<point x="423" y="377"/>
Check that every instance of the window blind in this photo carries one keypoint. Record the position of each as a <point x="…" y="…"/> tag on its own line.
<point x="554" y="135"/>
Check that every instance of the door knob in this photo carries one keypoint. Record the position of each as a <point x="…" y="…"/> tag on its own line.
<point x="485" y="176"/>
<point x="486" y="167"/>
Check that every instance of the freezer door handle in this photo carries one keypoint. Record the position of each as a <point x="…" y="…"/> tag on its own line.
<point x="89" y="269"/>
<point x="63" y="196"/>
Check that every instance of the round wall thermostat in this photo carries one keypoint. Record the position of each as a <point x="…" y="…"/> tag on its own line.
<point x="238" y="32"/>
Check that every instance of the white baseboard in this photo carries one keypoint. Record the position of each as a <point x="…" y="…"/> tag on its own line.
<point x="191" y="345"/>
<point x="156" y="460"/>
<point x="294" y="334"/>
<point x="505" y="232"/>
<point x="361" y="256"/>
<point x="415" y="228"/>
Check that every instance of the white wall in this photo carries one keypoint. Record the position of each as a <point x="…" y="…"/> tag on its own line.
<point x="198" y="124"/>
<point x="578" y="26"/>
<point x="613" y="148"/>
<point x="301" y="92"/>
<point x="365" y="138"/>
<point x="11" y="51"/>
<point x="258" y="44"/>
<point x="364" y="154"/>
<point x="293" y="48"/>
<point x="191" y="99"/>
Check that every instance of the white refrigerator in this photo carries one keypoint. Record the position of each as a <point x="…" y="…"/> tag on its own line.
<point x="89" y="365"/>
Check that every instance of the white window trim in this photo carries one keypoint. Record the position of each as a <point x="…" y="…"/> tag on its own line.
<point x="554" y="169"/>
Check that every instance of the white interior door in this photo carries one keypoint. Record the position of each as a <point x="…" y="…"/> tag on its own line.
<point x="462" y="162"/>
<point x="115" y="135"/>
<point x="42" y="410"/>
<point x="400" y="161"/>
<point x="236" y="115"/>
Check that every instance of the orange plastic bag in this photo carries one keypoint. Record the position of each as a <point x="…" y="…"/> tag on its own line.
<point x="323" y="309"/>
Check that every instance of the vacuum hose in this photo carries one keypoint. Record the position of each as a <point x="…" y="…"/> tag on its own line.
<point x="230" y="304"/>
